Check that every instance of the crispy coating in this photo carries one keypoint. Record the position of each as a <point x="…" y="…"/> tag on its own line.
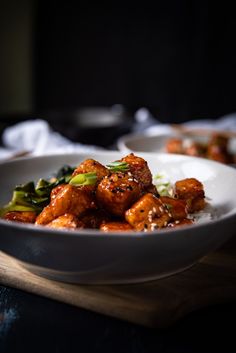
<point x="56" y="190"/>
<point x="21" y="216"/>
<point x="219" y="140"/>
<point x="196" y="204"/>
<point x="66" y="221"/>
<point x="92" y="166"/>
<point x="177" y="208"/>
<point x="174" y="145"/>
<point x="94" y="218"/>
<point x="70" y="199"/>
<point x="185" y="146"/>
<point x="115" y="227"/>
<point x="148" y="213"/>
<point x="194" y="149"/>
<point x="117" y="192"/>
<point x="139" y="169"/>
<point x="191" y="190"/>
<point x="218" y="150"/>
<point x="179" y="223"/>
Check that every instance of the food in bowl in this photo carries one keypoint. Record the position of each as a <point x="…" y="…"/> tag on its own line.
<point x="215" y="148"/>
<point x="120" y="196"/>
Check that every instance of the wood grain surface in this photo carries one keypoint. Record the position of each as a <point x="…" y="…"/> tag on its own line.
<point x="155" y="304"/>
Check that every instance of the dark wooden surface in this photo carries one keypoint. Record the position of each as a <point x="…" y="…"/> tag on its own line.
<point x="30" y="323"/>
<point x="157" y="303"/>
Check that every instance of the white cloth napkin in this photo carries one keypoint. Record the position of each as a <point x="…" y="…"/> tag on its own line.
<point x="37" y="138"/>
<point x="146" y="123"/>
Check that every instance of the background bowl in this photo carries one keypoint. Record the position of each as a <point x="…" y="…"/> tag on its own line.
<point x="90" y="256"/>
<point x="157" y="142"/>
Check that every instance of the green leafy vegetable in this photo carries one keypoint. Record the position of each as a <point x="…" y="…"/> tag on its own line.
<point x="118" y="166"/>
<point x="28" y="197"/>
<point x="25" y="198"/>
<point x="84" y="179"/>
<point x="65" y="172"/>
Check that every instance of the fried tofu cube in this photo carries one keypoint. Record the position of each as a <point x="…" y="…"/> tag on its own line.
<point x="21" y="216"/>
<point x="67" y="220"/>
<point x="174" y="145"/>
<point x="117" y="193"/>
<point x="191" y="190"/>
<point x="139" y="168"/>
<point x="218" y="150"/>
<point x="180" y="223"/>
<point x="94" y="218"/>
<point x="92" y="166"/>
<point x="69" y="199"/>
<point x="148" y="213"/>
<point x="115" y="227"/>
<point x="176" y="207"/>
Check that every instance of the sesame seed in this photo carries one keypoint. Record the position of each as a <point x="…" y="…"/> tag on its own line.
<point x="153" y="226"/>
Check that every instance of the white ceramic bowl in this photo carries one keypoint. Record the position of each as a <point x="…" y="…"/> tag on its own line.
<point x="90" y="256"/>
<point x="157" y="142"/>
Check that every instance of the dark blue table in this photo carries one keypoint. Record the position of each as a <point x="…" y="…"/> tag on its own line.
<point x="29" y="323"/>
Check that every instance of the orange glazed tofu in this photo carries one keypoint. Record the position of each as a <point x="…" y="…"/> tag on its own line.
<point x="138" y="167"/>
<point x="148" y="213"/>
<point x="180" y="223"/>
<point x="94" y="218"/>
<point x="117" y="193"/>
<point x="115" y="227"/>
<point x="174" y="145"/>
<point x="66" y="221"/>
<point x="118" y="197"/>
<point x="69" y="199"/>
<point x="21" y="216"/>
<point x="191" y="190"/>
<point x="92" y="166"/>
<point x="177" y="208"/>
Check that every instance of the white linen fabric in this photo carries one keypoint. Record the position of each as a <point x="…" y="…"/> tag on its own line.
<point x="37" y="138"/>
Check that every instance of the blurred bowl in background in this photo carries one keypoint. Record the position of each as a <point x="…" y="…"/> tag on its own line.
<point x="100" y="126"/>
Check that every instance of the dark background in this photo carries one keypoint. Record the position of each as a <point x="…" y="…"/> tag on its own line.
<point x="176" y="58"/>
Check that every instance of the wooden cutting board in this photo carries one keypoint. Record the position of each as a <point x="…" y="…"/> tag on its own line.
<point x="155" y="304"/>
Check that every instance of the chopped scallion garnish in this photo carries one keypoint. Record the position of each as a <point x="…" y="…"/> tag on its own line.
<point x="118" y="166"/>
<point x="163" y="185"/>
<point x="84" y="179"/>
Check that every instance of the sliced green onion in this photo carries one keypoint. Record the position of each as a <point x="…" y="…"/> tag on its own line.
<point x="84" y="179"/>
<point x="118" y="166"/>
<point x="163" y="185"/>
